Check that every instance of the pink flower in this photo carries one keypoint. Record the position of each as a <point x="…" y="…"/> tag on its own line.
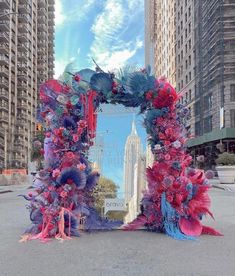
<point x="167" y="157"/>
<point x="82" y="124"/>
<point x="75" y="138"/>
<point x="55" y="173"/>
<point x="63" y="194"/>
<point x="81" y="166"/>
<point x="70" y="155"/>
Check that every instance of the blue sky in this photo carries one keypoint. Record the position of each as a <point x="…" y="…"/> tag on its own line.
<point x="112" y="32"/>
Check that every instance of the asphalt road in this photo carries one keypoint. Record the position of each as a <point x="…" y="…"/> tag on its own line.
<point x="117" y="252"/>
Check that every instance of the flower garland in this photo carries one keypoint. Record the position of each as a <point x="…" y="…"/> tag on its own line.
<point x="176" y="197"/>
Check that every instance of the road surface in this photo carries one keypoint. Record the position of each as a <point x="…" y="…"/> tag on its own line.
<point x="117" y="253"/>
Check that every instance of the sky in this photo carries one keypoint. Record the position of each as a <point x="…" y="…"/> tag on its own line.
<point x="111" y="32"/>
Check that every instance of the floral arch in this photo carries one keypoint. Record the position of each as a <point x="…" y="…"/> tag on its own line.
<point x="176" y="197"/>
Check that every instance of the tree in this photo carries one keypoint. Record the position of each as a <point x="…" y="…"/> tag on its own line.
<point x="106" y="188"/>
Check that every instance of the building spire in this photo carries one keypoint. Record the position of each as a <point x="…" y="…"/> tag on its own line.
<point x="133" y="129"/>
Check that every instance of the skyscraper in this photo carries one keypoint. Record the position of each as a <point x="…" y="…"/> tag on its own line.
<point x="202" y="44"/>
<point x="132" y="153"/>
<point x="26" y="60"/>
<point x="160" y="37"/>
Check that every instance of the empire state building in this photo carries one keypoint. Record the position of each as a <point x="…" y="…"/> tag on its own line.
<point x="132" y="153"/>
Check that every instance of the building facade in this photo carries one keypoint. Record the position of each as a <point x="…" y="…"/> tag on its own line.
<point x="26" y="60"/>
<point x="160" y="37"/>
<point x="133" y="150"/>
<point x="204" y="67"/>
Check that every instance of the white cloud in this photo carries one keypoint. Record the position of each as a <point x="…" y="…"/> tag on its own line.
<point x="63" y="15"/>
<point x="60" y="66"/>
<point x="59" y="14"/>
<point x="108" y="48"/>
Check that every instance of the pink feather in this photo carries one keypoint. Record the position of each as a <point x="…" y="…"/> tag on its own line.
<point x="206" y="230"/>
<point x="135" y="224"/>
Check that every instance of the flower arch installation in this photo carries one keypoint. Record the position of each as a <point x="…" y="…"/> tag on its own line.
<point x="176" y="197"/>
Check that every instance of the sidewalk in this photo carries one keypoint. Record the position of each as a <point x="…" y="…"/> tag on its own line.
<point x="13" y="188"/>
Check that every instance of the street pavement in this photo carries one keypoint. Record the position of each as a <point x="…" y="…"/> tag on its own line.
<point x="116" y="252"/>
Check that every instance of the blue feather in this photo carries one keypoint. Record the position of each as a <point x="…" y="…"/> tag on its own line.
<point x="101" y="82"/>
<point x="170" y="221"/>
<point x="78" y="177"/>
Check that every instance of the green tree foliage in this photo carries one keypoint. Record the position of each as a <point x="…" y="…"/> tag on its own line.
<point x="106" y="188"/>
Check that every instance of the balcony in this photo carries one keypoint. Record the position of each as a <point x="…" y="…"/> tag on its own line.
<point x="22" y="57"/>
<point x="51" y="7"/>
<point x="22" y="86"/>
<point x="4" y="94"/>
<point x="4" y="118"/>
<point x="4" y="4"/>
<point x="22" y="77"/>
<point x="23" y="47"/>
<point x="51" y="22"/>
<point x="42" y="35"/>
<point x="4" y="71"/>
<point x="23" y="18"/>
<point x="23" y="8"/>
<point x="41" y="4"/>
<point x="22" y="105"/>
<point x="4" y="83"/>
<point x="42" y="11"/>
<point x="4" y="60"/>
<point x="51" y="14"/>
<point x="22" y="95"/>
<point x="41" y="26"/>
<point x="4" y="37"/>
<point x="22" y="28"/>
<point x="4" y="48"/>
<point x="4" y="26"/>
<point x="22" y="38"/>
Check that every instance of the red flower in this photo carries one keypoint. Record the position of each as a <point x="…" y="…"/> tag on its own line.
<point x="69" y="105"/>
<point x="77" y="78"/>
<point x="149" y="95"/>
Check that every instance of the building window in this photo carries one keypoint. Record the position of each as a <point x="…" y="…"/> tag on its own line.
<point x="189" y="27"/>
<point x="186" y="48"/>
<point x="197" y="129"/>
<point x="190" y="94"/>
<point x="197" y="108"/>
<point x="186" y="64"/>
<point x="181" y="25"/>
<point x="189" y="44"/>
<point x="232" y="92"/>
<point x="189" y="11"/>
<point x="182" y="54"/>
<point x="186" y="97"/>
<point x="189" y="60"/>
<point x="232" y="117"/>
<point x="190" y="76"/>
<point x="186" y="17"/>
<point x="179" y="58"/>
<point x="186" y="79"/>
<point x="182" y="40"/>
<point x="208" y="102"/>
<point x="182" y="84"/>
<point x="207" y="124"/>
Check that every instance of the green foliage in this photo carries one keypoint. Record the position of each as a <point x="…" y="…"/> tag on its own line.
<point x="105" y="188"/>
<point x="226" y="159"/>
